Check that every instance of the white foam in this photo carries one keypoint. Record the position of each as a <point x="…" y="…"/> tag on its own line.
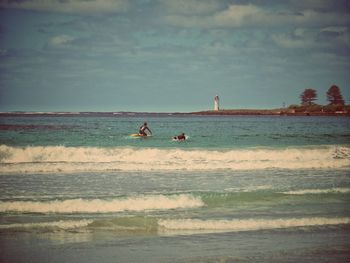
<point x="318" y="191"/>
<point x="248" y="189"/>
<point x="139" y="203"/>
<point x="62" y="224"/>
<point x="196" y="225"/>
<point x="49" y="159"/>
<point x="193" y="226"/>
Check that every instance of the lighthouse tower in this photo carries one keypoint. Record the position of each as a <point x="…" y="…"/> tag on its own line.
<point x="216" y="103"/>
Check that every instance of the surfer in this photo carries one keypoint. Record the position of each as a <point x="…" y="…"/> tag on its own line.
<point x="180" y="137"/>
<point x="143" y="128"/>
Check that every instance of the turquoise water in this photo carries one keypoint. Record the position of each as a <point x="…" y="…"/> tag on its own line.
<point x="204" y="131"/>
<point x="252" y="189"/>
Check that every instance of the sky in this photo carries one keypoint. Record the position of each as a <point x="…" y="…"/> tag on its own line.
<point x="170" y="55"/>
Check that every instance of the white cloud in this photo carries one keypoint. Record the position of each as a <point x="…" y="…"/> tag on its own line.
<point x="336" y="29"/>
<point x="70" y="6"/>
<point x="255" y="16"/>
<point x="300" y="38"/>
<point x="60" y="40"/>
<point x="237" y="15"/>
<point x="234" y="16"/>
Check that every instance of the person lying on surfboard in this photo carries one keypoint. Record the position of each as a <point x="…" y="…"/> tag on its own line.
<point x="143" y="128"/>
<point x="180" y="137"/>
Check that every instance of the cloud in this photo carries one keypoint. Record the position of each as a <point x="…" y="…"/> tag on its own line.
<point x="336" y="29"/>
<point x="239" y="15"/>
<point x="234" y="16"/>
<point x="88" y="7"/>
<point x="337" y="38"/>
<point x="286" y="41"/>
<point x="321" y="4"/>
<point x="60" y="40"/>
<point x="255" y="16"/>
<point x="300" y="38"/>
<point x="190" y="6"/>
<point x="338" y="35"/>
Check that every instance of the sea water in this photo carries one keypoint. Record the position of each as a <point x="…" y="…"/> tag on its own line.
<point x="240" y="188"/>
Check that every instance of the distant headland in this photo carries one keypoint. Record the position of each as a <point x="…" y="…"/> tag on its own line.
<point x="308" y="107"/>
<point x="293" y="110"/>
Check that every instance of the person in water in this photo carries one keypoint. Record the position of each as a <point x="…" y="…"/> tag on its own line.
<point x="180" y="137"/>
<point x="143" y="129"/>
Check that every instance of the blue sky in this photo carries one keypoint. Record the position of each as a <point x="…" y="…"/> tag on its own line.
<point x="170" y="55"/>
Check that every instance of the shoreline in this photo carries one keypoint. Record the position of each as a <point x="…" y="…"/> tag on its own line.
<point x="232" y="112"/>
<point x="273" y="112"/>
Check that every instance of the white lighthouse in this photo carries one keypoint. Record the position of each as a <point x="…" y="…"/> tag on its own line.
<point x="216" y="103"/>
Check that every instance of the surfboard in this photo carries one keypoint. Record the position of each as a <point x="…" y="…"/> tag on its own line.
<point x="135" y="135"/>
<point x="138" y="135"/>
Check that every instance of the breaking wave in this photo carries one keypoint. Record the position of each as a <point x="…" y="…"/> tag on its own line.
<point x="150" y="225"/>
<point x="138" y="203"/>
<point x="319" y="191"/>
<point x="53" y="159"/>
<point x="55" y="225"/>
<point x="197" y="225"/>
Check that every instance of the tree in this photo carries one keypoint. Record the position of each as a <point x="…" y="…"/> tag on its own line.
<point x="334" y="96"/>
<point x="308" y="96"/>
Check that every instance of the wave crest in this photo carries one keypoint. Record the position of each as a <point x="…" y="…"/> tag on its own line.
<point x="55" y="225"/>
<point x="81" y="159"/>
<point x="139" y="203"/>
<point x="152" y="225"/>
<point x="319" y="191"/>
<point x="197" y="225"/>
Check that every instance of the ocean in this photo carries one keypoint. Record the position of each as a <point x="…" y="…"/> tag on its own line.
<point x="79" y="188"/>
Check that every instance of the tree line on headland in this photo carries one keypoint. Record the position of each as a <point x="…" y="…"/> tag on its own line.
<point x="334" y="97"/>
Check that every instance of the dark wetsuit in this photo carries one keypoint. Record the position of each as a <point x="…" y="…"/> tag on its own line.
<point x="142" y="130"/>
<point x="180" y="137"/>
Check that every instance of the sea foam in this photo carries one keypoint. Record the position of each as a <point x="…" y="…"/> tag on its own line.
<point x="197" y="225"/>
<point x="319" y="191"/>
<point x="135" y="225"/>
<point x="137" y="203"/>
<point x="53" y="159"/>
<point x="55" y="225"/>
